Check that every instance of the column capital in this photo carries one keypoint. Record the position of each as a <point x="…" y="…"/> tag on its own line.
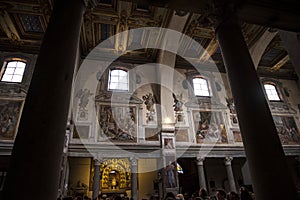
<point x="134" y="161"/>
<point x="98" y="161"/>
<point x="228" y="160"/>
<point x="200" y="160"/>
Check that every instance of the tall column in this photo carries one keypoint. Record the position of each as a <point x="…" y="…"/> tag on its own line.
<point x="38" y="147"/>
<point x="201" y="175"/>
<point x="230" y="176"/>
<point x="134" y="184"/>
<point x="291" y="42"/>
<point x="263" y="149"/>
<point x="96" y="179"/>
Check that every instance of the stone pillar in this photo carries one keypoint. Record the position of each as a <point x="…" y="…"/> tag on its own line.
<point x="201" y="175"/>
<point x="96" y="179"/>
<point x="291" y="42"/>
<point x="134" y="183"/>
<point x="38" y="147"/>
<point x="230" y="176"/>
<point x="263" y="148"/>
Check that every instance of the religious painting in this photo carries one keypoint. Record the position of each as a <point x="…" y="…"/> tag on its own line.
<point x="117" y="123"/>
<point x="82" y="115"/>
<point x="168" y="143"/>
<point x="10" y="112"/>
<point x="287" y="129"/>
<point x="209" y="127"/>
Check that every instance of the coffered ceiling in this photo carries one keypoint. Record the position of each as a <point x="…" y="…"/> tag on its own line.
<point x="24" y="22"/>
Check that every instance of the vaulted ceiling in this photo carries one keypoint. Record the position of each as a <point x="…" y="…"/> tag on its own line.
<point x="23" y="24"/>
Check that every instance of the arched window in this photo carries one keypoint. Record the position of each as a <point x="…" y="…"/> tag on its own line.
<point x="13" y="71"/>
<point x="271" y="92"/>
<point x="201" y="87"/>
<point x="118" y="80"/>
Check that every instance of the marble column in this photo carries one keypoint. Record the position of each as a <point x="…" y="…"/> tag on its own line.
<point x="262" y="145"/>
<point x="134" y="183"/>
<point x="231" y="181"/>
<point x="38" y="147"/>
<point x="201" y="175"/>
<point x="96" y="179"/>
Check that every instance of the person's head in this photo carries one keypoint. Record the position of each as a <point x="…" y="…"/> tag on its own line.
<point x="170" y="195"/>
<point x="232" y="196"/>
<point x="118" y="197"/>
<point x="221" y="194"/>
<point x="244" y="193"/>
<point x="68" y="198"/>
<point x="180" y="197"/>
<point x="203" y="192"/>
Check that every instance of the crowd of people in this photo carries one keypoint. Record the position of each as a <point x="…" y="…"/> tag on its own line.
<point x="219" y="194"/>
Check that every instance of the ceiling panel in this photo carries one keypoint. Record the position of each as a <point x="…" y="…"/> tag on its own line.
<point x="24" y="24"/>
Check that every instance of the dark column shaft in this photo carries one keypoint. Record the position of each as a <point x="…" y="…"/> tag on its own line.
<point x="96" y="179"/>
<point x="134" y="178"/>
<point x="37" y="151"/>
<point x="291" y="42"/>
<point x="267" y="164"/>
<point x="201" y="174"/>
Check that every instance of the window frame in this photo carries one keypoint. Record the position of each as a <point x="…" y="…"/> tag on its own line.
<point x="4" y="68"/>
<point x="209" y="89"/>
<point x="211" y="83"/>
<point x="279" y="88"/>
<point x="276" y="89"/>
<point x="109" y="78"/>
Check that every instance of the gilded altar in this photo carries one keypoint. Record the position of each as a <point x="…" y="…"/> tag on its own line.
<point x="115" y="176"/>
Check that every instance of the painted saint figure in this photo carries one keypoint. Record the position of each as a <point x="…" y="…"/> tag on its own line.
<point x="169" y="143"/>
<point x="83" y="96"/>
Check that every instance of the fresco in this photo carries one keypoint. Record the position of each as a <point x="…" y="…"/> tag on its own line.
<point x="287" y="129"/>
<point x="10" y="111"/>
<point x="209" y="127"/>
<point x="118" y="123"/>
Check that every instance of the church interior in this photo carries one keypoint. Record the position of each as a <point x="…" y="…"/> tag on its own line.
<point x="141" y="98"/>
